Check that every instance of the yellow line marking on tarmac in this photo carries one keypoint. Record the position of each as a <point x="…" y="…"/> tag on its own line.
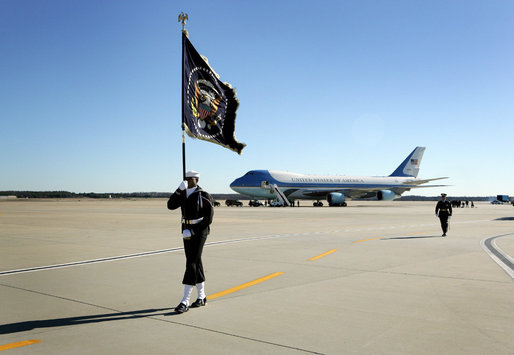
<point x="322" y="255"/>
<point x="19" y="344"/>
<point x="243" y="286"/>
<point x="365" y="240"/>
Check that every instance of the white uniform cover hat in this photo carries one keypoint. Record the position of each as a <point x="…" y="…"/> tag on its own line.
<point x="193" y="174"/>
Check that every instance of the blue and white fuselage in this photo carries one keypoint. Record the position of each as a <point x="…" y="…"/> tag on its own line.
<point x="263" y="184"/>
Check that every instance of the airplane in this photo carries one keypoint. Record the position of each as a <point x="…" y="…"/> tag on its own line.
<point x="286" y="187"/>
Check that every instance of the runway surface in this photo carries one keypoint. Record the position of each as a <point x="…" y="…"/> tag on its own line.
<point x="103" y="276"/>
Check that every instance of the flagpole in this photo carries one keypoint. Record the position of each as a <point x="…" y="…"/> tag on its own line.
<point x="182" y="18"/>
<point x="183" y="121"/>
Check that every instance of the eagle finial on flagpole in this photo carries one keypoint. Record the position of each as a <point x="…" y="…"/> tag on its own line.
<point x="183" y="18"/>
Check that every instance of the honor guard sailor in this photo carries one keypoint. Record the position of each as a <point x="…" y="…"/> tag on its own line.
<point x="443" y="210"/>
<point x="197" y="213"/>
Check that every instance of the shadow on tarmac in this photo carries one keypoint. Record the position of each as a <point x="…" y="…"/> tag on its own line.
<point x="61" y="322"/>
<point x="417" y="237"/>
<point x="505" y="219"/>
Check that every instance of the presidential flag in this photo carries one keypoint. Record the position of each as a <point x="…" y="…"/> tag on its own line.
<point x="209" y="105"/>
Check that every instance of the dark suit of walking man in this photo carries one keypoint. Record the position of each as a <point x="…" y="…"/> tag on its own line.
<point x="443" y="210"/>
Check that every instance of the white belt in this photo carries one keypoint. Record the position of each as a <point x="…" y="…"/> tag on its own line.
<point x="192" y="221"/>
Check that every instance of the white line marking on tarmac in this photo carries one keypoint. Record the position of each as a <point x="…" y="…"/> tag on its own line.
<point x="172" y="250"/>
<point x="137" y="255"/>
<point x="92" y="261"/>
<point x="498" y="255"/>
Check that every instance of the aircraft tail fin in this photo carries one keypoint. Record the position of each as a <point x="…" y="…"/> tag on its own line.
<point x="410" y="166"/>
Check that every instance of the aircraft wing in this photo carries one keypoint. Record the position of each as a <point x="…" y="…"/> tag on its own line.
<point x="420" y="182"/>
<point x="365" y="192"/>
<point x="419" y="187"/>
<point x="316" y="193"/>
<point x="350" y="193"/>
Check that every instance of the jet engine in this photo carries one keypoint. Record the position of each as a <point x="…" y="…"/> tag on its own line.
<point x="336" y="199"/>
<point x="386" y="195"/>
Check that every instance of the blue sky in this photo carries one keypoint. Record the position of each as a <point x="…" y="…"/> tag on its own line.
<point x="90" y="91"/>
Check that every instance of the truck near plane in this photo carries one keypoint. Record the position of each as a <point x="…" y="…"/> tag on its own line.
<point x="286" y="187"/>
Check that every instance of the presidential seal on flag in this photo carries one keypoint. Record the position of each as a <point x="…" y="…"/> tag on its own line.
<point x="204" y="104"/>
<point x="210" y="105"/>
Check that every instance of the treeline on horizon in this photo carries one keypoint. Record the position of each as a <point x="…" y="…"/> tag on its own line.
<point x="67" y="194"/>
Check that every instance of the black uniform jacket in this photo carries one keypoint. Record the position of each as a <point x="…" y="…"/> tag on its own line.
<point x="197" y="205"/>
<point x="444" y="207"/>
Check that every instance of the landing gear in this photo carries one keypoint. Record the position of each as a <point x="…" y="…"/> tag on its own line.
<point x="318" y="204"/>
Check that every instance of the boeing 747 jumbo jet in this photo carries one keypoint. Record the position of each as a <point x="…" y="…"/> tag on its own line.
<point x="286" y="187"/>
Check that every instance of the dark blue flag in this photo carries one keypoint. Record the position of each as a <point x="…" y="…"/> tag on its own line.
<point x="209" y="106"/>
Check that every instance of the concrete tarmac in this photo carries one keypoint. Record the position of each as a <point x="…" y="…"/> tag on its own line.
<point x="103" y="276"/>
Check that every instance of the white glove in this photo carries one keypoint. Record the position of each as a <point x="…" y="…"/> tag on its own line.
<point x="186" y="234"/>
<point x="182" y="186"/>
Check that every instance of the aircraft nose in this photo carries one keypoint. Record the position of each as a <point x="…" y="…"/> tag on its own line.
<point x="238" y="184"/>
<point x="234" y="184"/>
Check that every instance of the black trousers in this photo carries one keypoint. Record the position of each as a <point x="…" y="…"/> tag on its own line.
<point x="443" y="217"/>
<point x="194" y="269"/>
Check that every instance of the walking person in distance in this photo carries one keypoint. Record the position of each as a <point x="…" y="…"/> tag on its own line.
<point x="443" y="210"/>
